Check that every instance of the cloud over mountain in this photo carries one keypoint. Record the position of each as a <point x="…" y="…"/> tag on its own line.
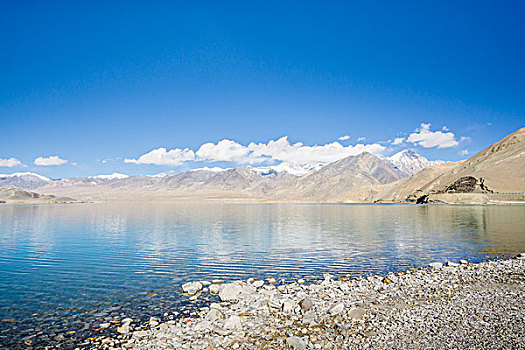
<point x="274" y="151"/>
<point x="425" y="138"/>
<point x="51" y="160"/>
<point x="161" y="156"/>
<point x="10" y="162"/>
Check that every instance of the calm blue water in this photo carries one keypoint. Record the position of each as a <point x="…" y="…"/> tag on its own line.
<point x="66" y="267"/>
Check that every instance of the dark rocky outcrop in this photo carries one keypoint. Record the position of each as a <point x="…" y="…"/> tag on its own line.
<point x="467" y="184"/>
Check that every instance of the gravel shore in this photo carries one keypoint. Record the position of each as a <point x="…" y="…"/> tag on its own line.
<point x="443" y="306"/>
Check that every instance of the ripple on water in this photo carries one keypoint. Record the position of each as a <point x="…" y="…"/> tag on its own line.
<point x="67" y="267"/>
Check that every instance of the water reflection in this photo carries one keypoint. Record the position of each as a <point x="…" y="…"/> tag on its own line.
<point x="86" y="257"/>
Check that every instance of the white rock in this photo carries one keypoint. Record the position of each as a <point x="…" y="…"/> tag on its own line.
<point x="336" y="308"/>
<point x="463" y="262"/>
<point x="356" y="313"/>
<point x="140" y="334"/>
<point x="436" y="265"/>
<point x="288" y="307"/>
<point x="213" y="314"/>
<point x="258" y="283"/>
<point x="203" y="325"/>
<point x="233" y="323"/>
<point x="124" y="329"/>
<point x="214" y="289"/>
<point x="296" y="343"/>
<point x="192" y="287"/>
<point x="230" y="291"/>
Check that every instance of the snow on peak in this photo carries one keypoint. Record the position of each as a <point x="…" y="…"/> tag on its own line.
<point x="293" y="168"/>
<point x="111" y="176"/>
<point x="165" y="174"/>
<point x="26" y="174"/>
<point x="214" y="169"/>
<point x="410" y="162"/>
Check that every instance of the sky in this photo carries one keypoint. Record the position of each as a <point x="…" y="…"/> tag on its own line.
<point x="143" y="87"/>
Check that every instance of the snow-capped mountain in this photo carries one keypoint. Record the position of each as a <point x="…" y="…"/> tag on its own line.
<point x="410" y="162"/>
<point x="24" y="181"/>
<point x="298" y="169"/>
<point x="113" y="176"/>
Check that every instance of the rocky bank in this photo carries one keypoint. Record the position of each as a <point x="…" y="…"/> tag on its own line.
<point x="444" y="306"/>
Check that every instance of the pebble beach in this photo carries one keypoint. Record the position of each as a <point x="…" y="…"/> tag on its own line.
<point x="451" y="305"/>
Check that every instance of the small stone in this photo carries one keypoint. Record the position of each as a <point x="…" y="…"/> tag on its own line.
<point x="233" y="323"/>
<point x="214" y="289"/>
<point x="217" y="281"/>
<point x="153" y="322"/>
<point x="296" y="343"/>
<point x="192" y="288"/>
<point x="288" y="307"/>
<point x="258" y="283"/>
<point x="336" y="308"/>
<point x="104" y="325"/>
<point x="140" y="334"/>
<point x="222" y="331"/>
<point x="306" y="304"/>
<point x="127" y="320"/>
<point x="463" y="262"/>
<point x="230" y="291"/>
<point x="124" y="329"/>
<point x="205" y="283"/>
<point x="452" y="264"/>
<point x="203" y="325"/>
<point x="435" y="265"/>
<point x="386" y="280"/>
<point x="301" y="281"/>
<point x="213" y="315"/>
<point x="356" y="313"/>
<point x="271" y="281"/>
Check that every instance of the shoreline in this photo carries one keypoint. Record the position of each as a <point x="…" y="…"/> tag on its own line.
<point x="453" y="305"/>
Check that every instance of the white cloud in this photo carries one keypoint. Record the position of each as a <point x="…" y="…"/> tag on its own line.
<point x="226" y="151"/>
<point x="359" y="139"/>
<point x="51" y="160"/>
<point x="398" y="140"/>
<point x="444" y="128"/>
<point x="161" y="156"/>
<point x="344" y="138"/>
<point x="282" y="150"/>
<point x="274" y="151"/>
<point x="425" y="138"/>
<point x="464" y="152"/>
<point x="10" y="162"/>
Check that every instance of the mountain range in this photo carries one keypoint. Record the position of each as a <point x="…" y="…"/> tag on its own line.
<point x="293" y="182"/>
<point x="405" y="176"/>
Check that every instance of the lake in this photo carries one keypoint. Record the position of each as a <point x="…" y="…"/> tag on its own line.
<point x="67" y="268"/>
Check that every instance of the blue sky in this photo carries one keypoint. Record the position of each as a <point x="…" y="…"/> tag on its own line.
<point x="96" y="83"/>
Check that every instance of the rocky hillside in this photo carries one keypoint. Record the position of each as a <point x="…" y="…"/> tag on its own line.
<point x="349" y="173"/>
<point x="242" y="183"/>
<point x="500" y="168"/>
<point x="13" y="195"/>
<point x="26" y="181"/>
